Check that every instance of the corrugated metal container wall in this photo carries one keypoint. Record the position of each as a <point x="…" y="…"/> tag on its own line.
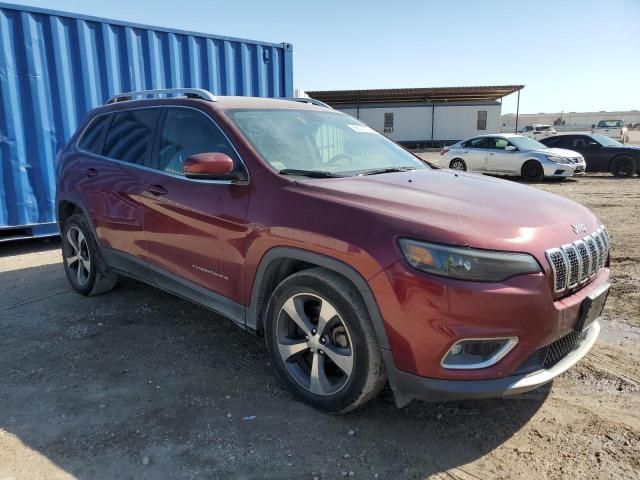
<point x="55" y="67"/>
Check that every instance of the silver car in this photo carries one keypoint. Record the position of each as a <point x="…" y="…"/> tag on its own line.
<point x="511" y="154"/>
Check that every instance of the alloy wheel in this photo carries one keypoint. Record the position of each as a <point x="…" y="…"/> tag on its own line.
<point x="314" y="344"/>
<point x="457" y="165"/>
<point x="77" y="255"/>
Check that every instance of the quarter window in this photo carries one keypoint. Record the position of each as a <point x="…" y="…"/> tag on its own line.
<point x="188" y="132"/>
<point x="482" y="119"/>
<point x="130" y="135"/>
<point x="93" y="137"/>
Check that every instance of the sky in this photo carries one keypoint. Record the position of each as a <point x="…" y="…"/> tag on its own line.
<point x="571" y="55"/>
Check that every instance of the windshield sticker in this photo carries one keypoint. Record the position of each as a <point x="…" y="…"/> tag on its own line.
<point x="361" y="129"/>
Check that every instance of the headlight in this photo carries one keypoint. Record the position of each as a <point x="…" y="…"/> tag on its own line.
<point x="553" y="158"/>
<point x="467" y="263"/>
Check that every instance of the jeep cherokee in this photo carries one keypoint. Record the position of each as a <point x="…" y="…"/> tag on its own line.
<point x="360" y="263"/>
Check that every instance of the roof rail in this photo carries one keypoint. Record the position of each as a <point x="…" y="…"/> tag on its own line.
<point x="187" y="92"/>
<point x="310" y="100"/>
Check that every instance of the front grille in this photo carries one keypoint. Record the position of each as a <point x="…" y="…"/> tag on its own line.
<point x="575" y="263"/>
<point x="547" y="357"/>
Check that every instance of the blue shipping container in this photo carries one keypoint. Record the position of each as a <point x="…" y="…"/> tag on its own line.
<point x="56" y="66"/>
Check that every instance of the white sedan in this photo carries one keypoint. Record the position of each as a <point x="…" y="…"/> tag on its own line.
<point x="511" y="154"/>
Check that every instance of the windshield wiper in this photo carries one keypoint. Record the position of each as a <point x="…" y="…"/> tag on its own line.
<point x="386" y="170"/>
<point x="309" y="173"/>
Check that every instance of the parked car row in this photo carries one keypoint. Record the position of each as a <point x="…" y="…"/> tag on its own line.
<point x="359" y="263"/>
<point x="511" y="154"/>
<point x="558" y="156"/>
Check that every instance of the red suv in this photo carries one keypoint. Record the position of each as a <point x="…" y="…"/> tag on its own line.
<point x="357" y="261"/>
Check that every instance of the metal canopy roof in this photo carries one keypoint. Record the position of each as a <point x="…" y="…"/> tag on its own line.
<point x="403" y="95"/>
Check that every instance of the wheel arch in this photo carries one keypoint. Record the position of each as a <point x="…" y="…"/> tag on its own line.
<point x="68" y="206"/>
<point x="280" y="262"/>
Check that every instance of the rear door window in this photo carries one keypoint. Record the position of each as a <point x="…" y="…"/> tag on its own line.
<point x="477" y="143"/>
<point x="130" y="136"/>
<point x="187" y="132"/>
<point x="92" y="139"/>
<point x="555" y="142"/>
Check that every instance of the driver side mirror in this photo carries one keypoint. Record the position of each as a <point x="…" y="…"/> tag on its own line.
<point x="592" y="145"/>
<point x="208" y="166"/>
<point x="510" y="148"/>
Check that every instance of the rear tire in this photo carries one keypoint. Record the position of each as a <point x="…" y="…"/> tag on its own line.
<point x="623" y="166"/>
<point x="532" y="171"/>
<point x="458" y="164"/>
<point x="313" y="318"/>
<point x="85" y="268"/>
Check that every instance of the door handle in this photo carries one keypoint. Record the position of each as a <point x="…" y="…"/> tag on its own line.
<point x="91" y="172"/>
<point x="157" y="190"/>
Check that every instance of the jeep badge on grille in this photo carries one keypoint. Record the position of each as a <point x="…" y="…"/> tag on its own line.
<point x="579" y="228"/>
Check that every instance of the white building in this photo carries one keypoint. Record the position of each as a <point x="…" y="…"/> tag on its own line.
<point x="424" y="116"/>
<point x="567" y="121"/>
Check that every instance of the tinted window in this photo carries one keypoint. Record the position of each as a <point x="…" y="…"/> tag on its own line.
<point x="527" y="129"/>
<point x="130" y="135"/>
<point x="555" y="142"/>
<point x="482" y="142"/>
<point x="187" y="132"/>
<point x="93" y="137"/>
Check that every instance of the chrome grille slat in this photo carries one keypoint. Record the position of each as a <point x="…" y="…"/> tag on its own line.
<point x="585" y="259"/>
<point x="593" y="250"/>
<point x="573" y="274"/>
<point x="573" y="264"/>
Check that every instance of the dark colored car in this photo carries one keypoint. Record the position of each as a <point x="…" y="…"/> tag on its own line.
<point x="601" y="153"/>
<point x="358" y="262"/>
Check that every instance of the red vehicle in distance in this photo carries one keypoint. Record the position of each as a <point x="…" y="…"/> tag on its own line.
<point x="360" y="263"/>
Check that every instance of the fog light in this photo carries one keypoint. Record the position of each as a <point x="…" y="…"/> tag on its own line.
<point x="475" y="353"/>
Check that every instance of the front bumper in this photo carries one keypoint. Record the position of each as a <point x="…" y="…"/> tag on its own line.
<point x="408" y="387"/>
<point x="563" y="170"/>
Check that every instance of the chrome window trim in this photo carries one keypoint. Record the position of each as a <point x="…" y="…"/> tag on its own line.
<point x="509" y="345"/>
<point x="144" y="167"/>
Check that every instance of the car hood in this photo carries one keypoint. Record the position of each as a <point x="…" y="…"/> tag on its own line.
<point x="560" y="152"/>
<point x="462" y="208"/>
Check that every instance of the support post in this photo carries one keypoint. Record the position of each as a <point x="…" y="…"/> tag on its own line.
<point x="433" y="119"/>
<point x="517" y="111"/>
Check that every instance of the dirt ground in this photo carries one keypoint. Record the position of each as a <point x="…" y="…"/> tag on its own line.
<point x="140" y="384"/>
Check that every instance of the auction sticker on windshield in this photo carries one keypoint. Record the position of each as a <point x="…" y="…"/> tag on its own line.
<point x="361" y="128"/>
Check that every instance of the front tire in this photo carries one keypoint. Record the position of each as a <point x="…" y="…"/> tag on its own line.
<point x="458" y="164"/>
<point x="322" y="342"/>
<point x="83" y="263"/>
<point x="532" y="171"/>
<point x="623" y="166"/>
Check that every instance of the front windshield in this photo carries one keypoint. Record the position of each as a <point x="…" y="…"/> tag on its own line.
<point x="320" y="141"/>
<point x="526" y="143"/>
<point x="610" y="124"/>
<point x="606" y="141"/>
